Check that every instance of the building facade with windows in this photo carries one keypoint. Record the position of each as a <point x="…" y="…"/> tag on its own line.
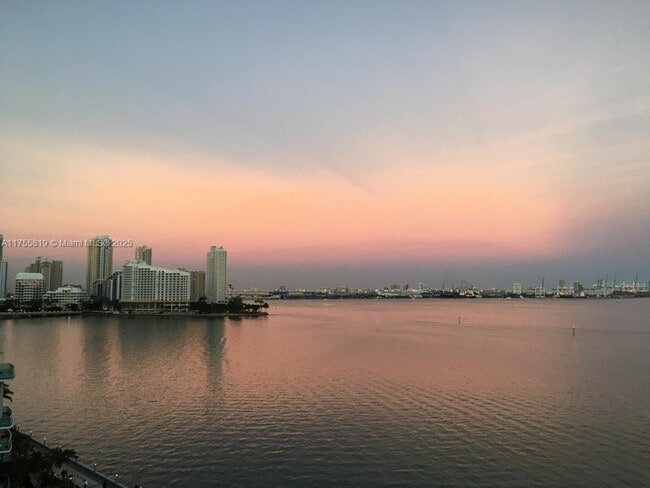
<point x="215" y="275"/>
<point x="3" y="280"/>
<point x="113" y="287"/>
<point x="67" y="295"/>
<point x="149" y="288"/>
<point x="100" y="262"/>
<point x="197" y="285"/>
<point x="51" y="269"/>
<point x="3" y="272"/>
<point x="143" y="253"/>
<point x="29" y="287"/>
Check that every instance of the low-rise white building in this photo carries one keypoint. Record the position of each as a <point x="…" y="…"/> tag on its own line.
<point x="29" y="287"/>
<point x="152" y="288"/>
<point x="67" y="295"/>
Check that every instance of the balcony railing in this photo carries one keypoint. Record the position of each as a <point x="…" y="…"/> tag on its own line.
<point x="6" y="420"/>
<point x="7" y="371"/>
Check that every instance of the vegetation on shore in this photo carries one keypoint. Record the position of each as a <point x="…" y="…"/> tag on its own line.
<point x="236" y="305"/>
<point x="11" y="305"/>
<point x="29" y="464"/>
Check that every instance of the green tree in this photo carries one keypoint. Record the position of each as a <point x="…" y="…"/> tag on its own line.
<point x="235" y="304"/>
<point x="27" y="462"/>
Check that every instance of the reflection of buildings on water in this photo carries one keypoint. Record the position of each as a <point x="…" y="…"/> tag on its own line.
<point x="214" y="352"/>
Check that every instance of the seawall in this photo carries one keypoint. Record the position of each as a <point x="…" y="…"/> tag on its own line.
<point x="81" y="472"/>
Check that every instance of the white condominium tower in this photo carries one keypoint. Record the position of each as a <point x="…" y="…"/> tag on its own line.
<point x="152" y="288"/>
<point x="100" y="261"/>
<point x="215" y="276"/>
<point x="3" y="273"/>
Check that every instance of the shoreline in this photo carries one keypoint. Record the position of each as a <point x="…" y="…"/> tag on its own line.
<point x="178" y="314"/>
<point x="77" y="470"/>
<point x="33" y="315"/>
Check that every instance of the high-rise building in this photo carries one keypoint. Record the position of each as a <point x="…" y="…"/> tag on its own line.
<point x="29" y="287"/>
<point x="52" y="271"/>
<point x="197" y="285"/>
<point x="151" y="288"/>
<point x="3" y="272"/>
<point x="517" y="288"/>
<point x="53" y="274"/>
<point x="143" y="253"/>
<point x="113" y="288"/>
<point x="3" y="280"/>
<point x="100" y="261"/>
<point x="215" y="276"/>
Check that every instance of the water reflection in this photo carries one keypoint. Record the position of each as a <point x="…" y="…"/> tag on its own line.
<point x="98" y="340"/>
<point x="214" y="353"/>
<point x="350" y="393"/>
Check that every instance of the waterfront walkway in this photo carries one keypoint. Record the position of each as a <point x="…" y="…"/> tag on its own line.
<point x="79" y="472"/>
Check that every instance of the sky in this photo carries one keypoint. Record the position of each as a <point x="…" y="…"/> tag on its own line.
<point x="359" y="143"/>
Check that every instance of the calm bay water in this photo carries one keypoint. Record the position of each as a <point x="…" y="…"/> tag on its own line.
<point x="348" y="393"/>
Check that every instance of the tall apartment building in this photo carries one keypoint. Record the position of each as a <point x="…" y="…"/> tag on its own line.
<point x="151" y="288"/>
<point x="215" y="276"/>
<point x="143" y="253"/>
<point x="100" y="261"/>
<point x="113" y="286"/>
<point x="29" y="287"/>
<point x="3" y="272"/>
<point x="3" y="280"/>
<point x="197" y="285"/>
<point x="52" y="271"/>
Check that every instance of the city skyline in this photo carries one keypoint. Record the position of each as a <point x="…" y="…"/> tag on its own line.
<point x="329" y="144"/>
<point x="444" y="278"/>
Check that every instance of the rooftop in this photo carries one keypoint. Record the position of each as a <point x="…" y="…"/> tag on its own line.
<point x="29" y="276"/>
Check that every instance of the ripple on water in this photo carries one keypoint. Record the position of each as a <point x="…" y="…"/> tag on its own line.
<point x="324" y="396"/>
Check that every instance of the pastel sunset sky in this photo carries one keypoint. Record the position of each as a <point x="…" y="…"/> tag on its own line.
<point x="335" y="142"/>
